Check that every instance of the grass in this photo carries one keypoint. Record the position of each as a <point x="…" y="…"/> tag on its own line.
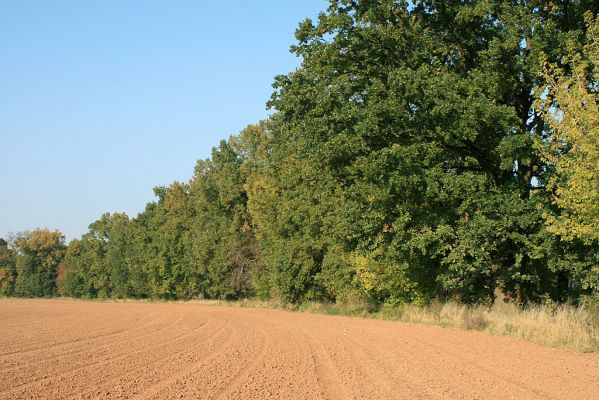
<point x="563" y="326"/>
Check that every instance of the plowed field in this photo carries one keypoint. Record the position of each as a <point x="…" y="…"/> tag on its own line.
<point x="53" y="349"/>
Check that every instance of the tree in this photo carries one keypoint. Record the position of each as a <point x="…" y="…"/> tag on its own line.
<point x="569" y="104"/>
<point x="8" y="272"/>
<point x="108" y="261"/>
<point x="38" y="254"/>
<point x="402" y="165"/>
<point x="75" y="282"/>
<point x="406" y="160"/>
<point x="224" y="247"/>
<point x="170" y="269"/>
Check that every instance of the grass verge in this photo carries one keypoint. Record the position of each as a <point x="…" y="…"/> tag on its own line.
<point x="562" y="326"/>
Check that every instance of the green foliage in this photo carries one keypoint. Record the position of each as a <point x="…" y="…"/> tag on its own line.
<point x="411" y="157"/>
<point x="74" y="283"/>
<point x="402" y="163"/>
<point x="103" y="262"/>
<point x="225" y="248"/>
<point x="8" y="271"/>
<point x="196" y="240"/>
<point x="38" y="254"/>
<point x="569" y="103"/>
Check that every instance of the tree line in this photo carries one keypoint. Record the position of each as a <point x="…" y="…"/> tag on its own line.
<point x="431" y="150"/>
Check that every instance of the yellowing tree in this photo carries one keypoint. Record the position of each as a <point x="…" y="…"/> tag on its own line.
<point x="570" y="110"/>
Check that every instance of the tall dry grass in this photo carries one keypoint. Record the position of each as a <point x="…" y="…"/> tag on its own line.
<point x="564" y="326"/>
<point x="558" y="326"/>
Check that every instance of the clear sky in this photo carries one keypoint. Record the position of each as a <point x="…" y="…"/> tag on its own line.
<point x="100" y="101"/>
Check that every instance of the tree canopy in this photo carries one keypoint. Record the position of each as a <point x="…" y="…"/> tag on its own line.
<point x="423" y="150"/>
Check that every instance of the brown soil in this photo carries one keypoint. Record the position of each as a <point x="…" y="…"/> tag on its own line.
<point x="73" y="349"/>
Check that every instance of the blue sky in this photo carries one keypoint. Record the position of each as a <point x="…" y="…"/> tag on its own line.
<point x="100" y="101"/>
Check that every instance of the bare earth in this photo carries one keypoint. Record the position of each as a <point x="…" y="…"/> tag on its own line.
<point x="74" y="349"/>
